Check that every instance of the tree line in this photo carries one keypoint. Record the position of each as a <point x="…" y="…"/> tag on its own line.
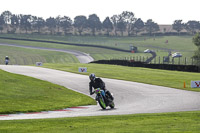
<point x="117" y="25"/>
<point x="196" y="41"/>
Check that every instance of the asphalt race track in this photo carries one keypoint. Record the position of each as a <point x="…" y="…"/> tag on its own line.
<point x="82" y="57"/>
<point x="130" y="97"/>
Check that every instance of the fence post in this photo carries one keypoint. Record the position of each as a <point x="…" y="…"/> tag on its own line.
<point x="163" y="59"/>
<point x="185" y="60"/>
<point x="168" y="61"/>
<point x="192" y="61"/>
<point x="159" y="60"/>
<point x="179" y="60"/>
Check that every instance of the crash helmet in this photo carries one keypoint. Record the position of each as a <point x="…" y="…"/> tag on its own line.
<point x="92" y="76"/>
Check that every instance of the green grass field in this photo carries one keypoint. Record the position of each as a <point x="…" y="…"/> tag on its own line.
<point x="96" y="53"/>
<point x="24" y="56"/>
<point x="25" y="94"/>
<point x="180" y="122"/>
<point x="19" y="94"/>
<point x="174" y="42"/>
<point x="181" y="44"/>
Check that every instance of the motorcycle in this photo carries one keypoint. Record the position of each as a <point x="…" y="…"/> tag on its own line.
<point x="6" y="62"/>
<point x="103" y="99"/>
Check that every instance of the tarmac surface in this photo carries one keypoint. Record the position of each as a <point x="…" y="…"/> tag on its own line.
<point x="130" y="97"/>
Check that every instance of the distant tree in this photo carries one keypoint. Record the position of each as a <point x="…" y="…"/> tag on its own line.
<point x="115" y="20"/>
<point x="51" y="24"/>
<point x="94" y="23"/>
<point x="107" y="24"/>
<point x="129" y="19"/>
<point x="14" y="22"/>
<point x="25" y="22"/>
<point x="66" y="24"/>
<point x="196" y="41"/>
<point x="178" y="26"/>
<point x="138" y="26"/>
<point x="192" y="26"/>
<point x="121" y="26"/>
<point x="38" y="23"/>
<point x="58" y="23"/>
<point x="2" y="22"/>
<point x="80" y="23"/>
<point x="151" y="26"/>
<point x="7" y="16"/>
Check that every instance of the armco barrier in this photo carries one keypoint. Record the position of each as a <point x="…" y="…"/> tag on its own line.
<point x="186" y="68"/>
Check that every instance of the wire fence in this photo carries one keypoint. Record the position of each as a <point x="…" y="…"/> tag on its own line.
<point x="165" y="60"/>
<point x="131" y="63"/>
<point x="156" y="60"/>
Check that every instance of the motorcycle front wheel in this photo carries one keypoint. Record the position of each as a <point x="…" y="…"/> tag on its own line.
<point x="102" y="103"/>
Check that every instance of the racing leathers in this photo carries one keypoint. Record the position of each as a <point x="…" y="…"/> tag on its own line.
<point x="98" y="83"/>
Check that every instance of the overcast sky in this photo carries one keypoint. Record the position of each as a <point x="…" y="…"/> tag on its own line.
<point x="160" y="11"/>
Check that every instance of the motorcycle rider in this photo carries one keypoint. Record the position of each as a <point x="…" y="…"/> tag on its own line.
<point x="98" y="83"/>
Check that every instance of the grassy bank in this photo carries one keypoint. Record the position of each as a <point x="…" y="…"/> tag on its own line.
<point x="174" y="42"/>
<point x="96" y="53"/>
<point x="181" y="44"/>
<point x="182" y="122"/>
<point x="25" y="94"/>
<point x="174" y="79"/>
<point x="24" y="56"/>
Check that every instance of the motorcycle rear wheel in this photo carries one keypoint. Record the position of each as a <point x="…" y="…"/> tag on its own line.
<point x="112" y="105"/>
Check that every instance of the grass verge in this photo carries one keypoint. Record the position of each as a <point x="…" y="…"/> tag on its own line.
<point x="181" y="122"/>
<point x="25" y="94"/>
<point x="24" y="56"/>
